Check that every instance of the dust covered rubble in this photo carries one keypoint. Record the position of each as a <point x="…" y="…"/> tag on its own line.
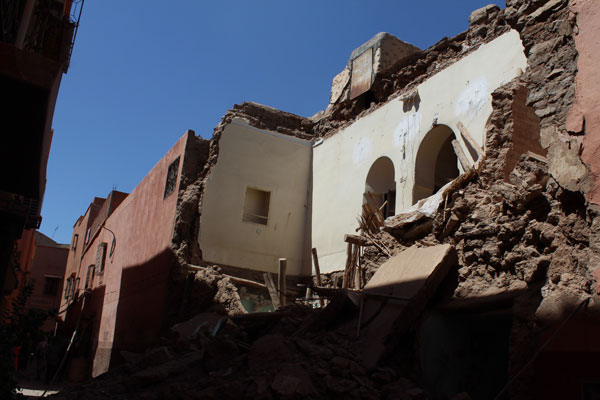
<point x="296" y="353"/>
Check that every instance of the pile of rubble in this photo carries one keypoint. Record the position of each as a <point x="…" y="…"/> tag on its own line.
<point x="295" y="353"/>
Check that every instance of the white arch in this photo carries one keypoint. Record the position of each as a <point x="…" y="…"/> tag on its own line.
<point x="436" y="163"/>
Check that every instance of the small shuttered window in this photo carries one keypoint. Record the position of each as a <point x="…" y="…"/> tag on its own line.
<point x="171" y="182"/>
<point x="89" y="279"/>
<point x="100" y="258"/>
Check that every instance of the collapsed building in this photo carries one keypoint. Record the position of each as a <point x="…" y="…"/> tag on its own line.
<point x="467" y="168"/>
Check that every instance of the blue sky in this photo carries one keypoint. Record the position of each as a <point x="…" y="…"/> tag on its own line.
<point x="143" y="72"/>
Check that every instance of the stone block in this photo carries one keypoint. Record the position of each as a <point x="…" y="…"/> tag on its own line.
<point x="414" y="275"/>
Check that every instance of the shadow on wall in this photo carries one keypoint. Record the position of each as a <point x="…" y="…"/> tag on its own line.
<point x="140" y="312"/>
<point x="142" y="303"/>
<point x="465" y="352"/>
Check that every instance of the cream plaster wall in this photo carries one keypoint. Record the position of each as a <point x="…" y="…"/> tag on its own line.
<point x="268" y="161"/>
<point x="460" y="92"/>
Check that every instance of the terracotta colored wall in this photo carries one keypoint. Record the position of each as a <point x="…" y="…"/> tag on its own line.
<point x="136" y="274"/>
<point x="575" y="346"/>
<point x="47" y="261"/>
<point x="14" y="281"/>
<point x="113" y="200"/>
<point x="80" y="228"/>
<point x="584" y="117"/>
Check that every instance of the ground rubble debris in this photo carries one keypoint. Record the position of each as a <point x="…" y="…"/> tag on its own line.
<point x="254" y="356"/>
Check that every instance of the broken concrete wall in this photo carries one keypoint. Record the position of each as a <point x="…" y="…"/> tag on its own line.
<point x="255" y="201"/>
<point x="185" y="243"/>
<point x="520" y="222"/>
<point x="458" y="95"/>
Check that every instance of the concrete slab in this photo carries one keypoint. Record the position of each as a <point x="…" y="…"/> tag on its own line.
<point x="405" y="274"/>
<point x="414" y="275"/>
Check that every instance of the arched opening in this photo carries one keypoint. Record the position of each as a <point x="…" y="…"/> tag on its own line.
<point x="380" y="187"/>
<point x="436" y="162"/>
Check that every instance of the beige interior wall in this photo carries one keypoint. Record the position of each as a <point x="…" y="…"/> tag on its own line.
<point x="458" y="93"/>
<point x="271" y="162"/>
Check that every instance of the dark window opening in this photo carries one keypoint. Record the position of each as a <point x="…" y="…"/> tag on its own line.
<point x="51" y="286"/>
<point x="436" y="162"/>
<point x="380" y="188"/>
<point x="75" y="239"/>
<point x="89" y="279"/>
<point x="171" y="182"/>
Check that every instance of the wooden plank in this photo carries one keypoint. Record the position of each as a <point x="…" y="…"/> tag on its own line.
<point x="376" y="210"/>
<point x="246" y="282"/>
<point x="462" y="158"/>
<point x="347" y="269"/>
<point x="281" y="284"/>
<point x="359" y="271"/>
<point x="233" y="279"/>
<point x="374" y="220"/>
<point x="354" y="265"/>
<point x="467" y="136"/>
<point x="272" y="290"/>
<point x="355" y="239"/>
<point x="537" y="157"/>
<point x="318" y="273"/>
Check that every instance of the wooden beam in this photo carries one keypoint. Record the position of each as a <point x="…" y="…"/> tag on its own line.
<point x="376" y="209"/>
<point x="359" y="270"/>
<point x="355" y="265"/>
<point x="272" y="290"/>
<point x="246" y="282"/>
<point x="281" y="284"/>
<point x="347" y="269"/>
<point x="469" y="139"/>
<point x="462" y="158"/>
<point x="355" y="239"/>
<point x="537" y="157"/>
<point x="318" y="274"/>
<point x="233" y="279"/>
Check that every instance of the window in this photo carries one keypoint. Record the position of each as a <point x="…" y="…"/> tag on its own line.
<point x="51" y="284"/>
<point x="101" y="257"/>
<point x="87" y="236"/>
<point x="171" y="178"/>
<point x="256" y="206"/>
<point x="74" y="244"/>
<point x="68" y="287"/>
<point x="89" y="279"/>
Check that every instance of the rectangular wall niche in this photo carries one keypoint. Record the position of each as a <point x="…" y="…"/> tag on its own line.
<point x="256" y="206"/>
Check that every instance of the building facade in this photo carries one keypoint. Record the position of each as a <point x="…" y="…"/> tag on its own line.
<point x="36" y="41"/>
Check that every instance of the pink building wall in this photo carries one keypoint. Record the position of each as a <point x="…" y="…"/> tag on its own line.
<point x="128" y="300"/>
<point x="49" y="261"/>
<point x="584" y="117"/>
